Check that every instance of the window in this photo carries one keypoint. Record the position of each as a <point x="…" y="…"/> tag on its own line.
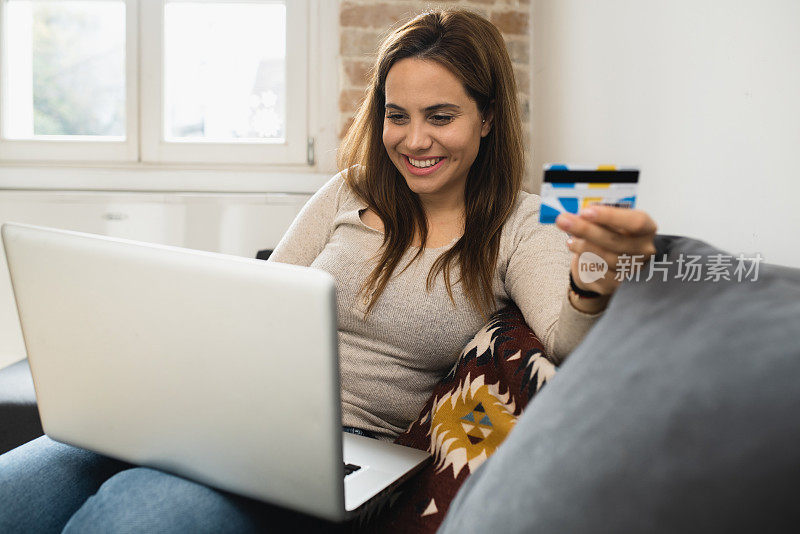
<point x="155" y="81"/>
<point x="68" y="87"/>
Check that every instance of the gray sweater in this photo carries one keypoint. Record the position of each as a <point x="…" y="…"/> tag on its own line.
<point x="391" y="361"/>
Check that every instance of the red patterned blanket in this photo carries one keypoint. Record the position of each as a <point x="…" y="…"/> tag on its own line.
<point x="470" y="413"/>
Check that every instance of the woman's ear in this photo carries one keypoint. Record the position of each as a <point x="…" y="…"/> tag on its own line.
<point x="488" y="117"/>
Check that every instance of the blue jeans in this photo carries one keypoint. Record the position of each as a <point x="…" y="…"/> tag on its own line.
<point x="46" y="486"/>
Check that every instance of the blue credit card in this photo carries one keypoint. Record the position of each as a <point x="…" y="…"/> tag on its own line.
<point x="570" y="188"/>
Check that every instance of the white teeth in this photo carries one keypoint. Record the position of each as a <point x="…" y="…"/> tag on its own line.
<point x="425" y="162"/>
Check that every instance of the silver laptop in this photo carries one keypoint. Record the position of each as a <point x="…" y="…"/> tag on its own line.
<point x="218" y="368"/>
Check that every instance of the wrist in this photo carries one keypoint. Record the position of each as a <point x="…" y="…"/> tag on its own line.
<point x="581" y="292"/>
<point x="588" y="305"/>
<point x="585" y="300"/>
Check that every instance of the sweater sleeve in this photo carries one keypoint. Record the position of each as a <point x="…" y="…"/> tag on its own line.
<point x="537" y="280"/>
<point x="311" y="229"/>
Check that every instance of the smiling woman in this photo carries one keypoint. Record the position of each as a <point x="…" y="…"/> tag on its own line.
<point x="441" y="110"/>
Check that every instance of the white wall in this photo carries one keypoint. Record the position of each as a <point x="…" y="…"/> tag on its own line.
<point x="704" y="95"/>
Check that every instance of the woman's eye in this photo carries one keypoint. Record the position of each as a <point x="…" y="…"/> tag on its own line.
<point x="442" y="119"/>
<point x="436" y="119"/>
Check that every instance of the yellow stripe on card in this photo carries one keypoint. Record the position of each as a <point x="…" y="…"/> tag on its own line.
<point x="599" y="186"/>
<point x="606" y="167"/>
<point x="591" y="200"/>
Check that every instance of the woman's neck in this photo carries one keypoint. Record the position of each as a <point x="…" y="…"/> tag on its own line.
<point x="445" y="223"/>
<point x="443" y="209"/>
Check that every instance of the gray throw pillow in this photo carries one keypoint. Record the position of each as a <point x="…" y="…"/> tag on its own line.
<point x="679" y="412"/>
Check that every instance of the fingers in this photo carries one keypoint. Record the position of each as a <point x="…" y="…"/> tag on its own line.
<point x="609" y="233"/>
<point x="607" y="283"/>
<point x="623" y="220"/>
<point x="612" y="239"/>
<point x="579" y="246"/>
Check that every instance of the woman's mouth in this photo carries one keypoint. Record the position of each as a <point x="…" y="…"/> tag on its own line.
<point x="421" y="167"/>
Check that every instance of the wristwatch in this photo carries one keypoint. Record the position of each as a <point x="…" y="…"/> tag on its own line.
<point x="582" y="293"/>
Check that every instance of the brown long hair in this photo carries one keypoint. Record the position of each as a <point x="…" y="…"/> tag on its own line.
<point x="471" y="48"/>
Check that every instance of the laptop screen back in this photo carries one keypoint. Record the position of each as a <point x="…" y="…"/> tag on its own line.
<point x="219" y="368"/>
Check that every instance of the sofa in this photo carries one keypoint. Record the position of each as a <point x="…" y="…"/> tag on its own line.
<point x="19" y="418"/>
<point x="679" y="412"/>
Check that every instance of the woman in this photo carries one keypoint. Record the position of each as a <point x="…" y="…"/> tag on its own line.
<point x="427" y="233"/>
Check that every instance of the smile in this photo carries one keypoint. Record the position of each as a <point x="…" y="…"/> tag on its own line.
<point x="422" y="166"/>
<point x="424" y="162"/>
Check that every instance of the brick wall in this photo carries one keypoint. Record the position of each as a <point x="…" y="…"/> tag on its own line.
<point x="364" y="23"/>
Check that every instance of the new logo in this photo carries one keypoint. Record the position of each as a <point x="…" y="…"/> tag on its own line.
<point x="591" y="267"/>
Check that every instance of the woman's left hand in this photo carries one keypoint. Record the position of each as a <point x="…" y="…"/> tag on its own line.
<point x="610" y="233"/>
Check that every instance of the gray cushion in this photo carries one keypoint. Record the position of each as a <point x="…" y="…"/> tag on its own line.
<point x="680" y="412"/>
<point x="19" y="417"/>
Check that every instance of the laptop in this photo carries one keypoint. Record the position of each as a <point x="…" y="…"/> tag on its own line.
<point x="220" y="369"/>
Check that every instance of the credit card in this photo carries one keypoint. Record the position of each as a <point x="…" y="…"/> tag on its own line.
<point x="570" y="188"/>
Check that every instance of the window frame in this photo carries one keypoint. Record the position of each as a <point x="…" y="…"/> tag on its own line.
<point x="78" y="149"/>
<point x="144" y="143"/>
<point x="154" y="149"/>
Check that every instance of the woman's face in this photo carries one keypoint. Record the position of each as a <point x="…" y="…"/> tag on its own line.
<point x="432" y="129"/>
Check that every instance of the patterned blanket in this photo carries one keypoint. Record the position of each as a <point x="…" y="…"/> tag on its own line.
<point x="469" y="414"/>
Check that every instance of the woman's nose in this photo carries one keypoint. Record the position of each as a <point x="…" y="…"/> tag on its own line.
<point x="417" y="138"/>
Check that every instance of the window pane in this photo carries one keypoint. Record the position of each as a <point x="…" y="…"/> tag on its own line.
<point x="225" y="72"/>
<point x="66" y="69"/>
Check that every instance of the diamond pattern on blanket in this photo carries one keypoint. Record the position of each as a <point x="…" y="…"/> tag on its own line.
<point x="458" y="444"/>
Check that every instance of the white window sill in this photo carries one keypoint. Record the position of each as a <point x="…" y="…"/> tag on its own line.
<point x="138" y="177"/>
